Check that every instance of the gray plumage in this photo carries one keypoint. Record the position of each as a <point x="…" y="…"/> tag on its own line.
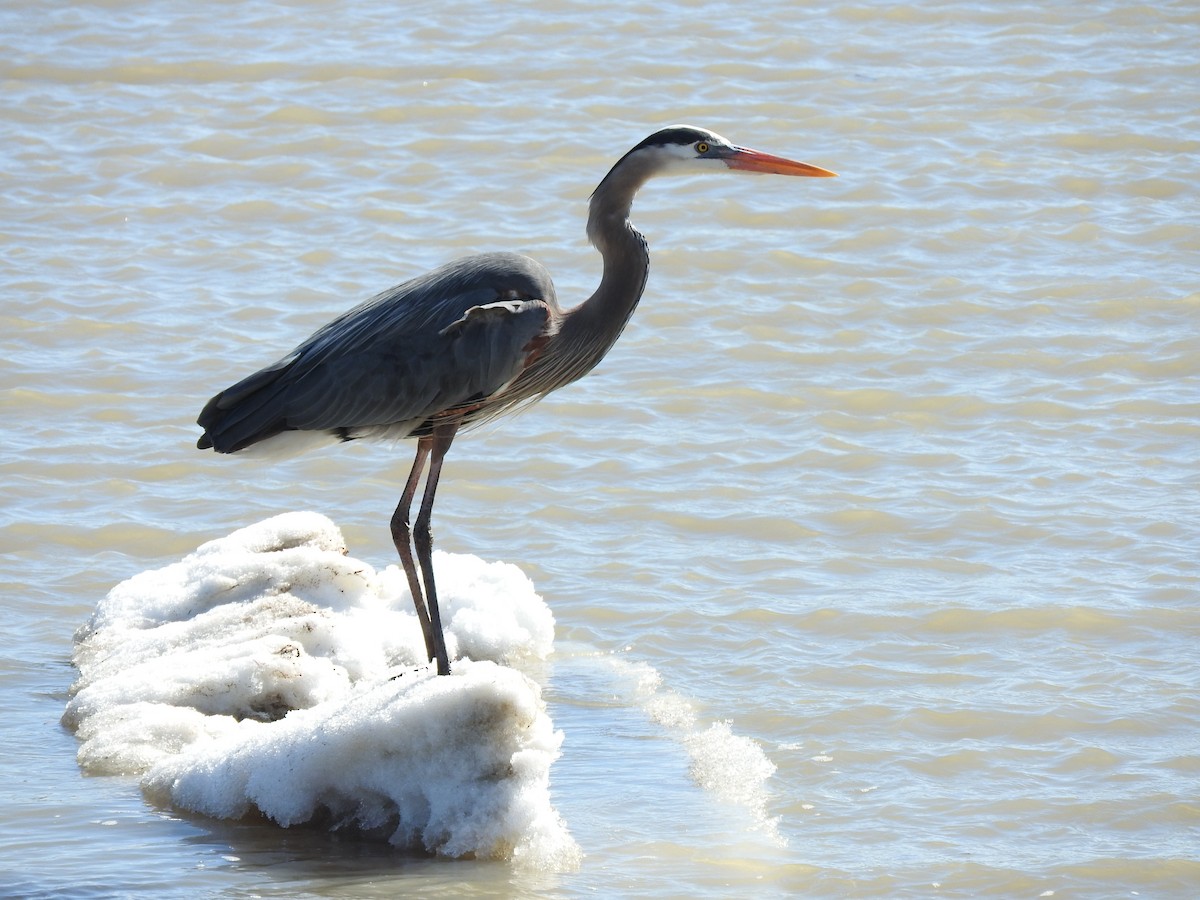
<point x="463" y="344"/>
<point x="443" y="344"/>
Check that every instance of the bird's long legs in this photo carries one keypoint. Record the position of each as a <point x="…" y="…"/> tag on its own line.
<point x="432" y="447"/>
<point x="402" y="538"/>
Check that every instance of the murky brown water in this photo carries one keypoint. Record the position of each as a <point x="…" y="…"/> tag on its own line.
<point x="894" y="472"/>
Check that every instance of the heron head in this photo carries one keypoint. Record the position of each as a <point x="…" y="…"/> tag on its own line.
<point x="686" y="148"/>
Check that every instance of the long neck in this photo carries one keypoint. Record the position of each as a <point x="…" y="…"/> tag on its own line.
<point x="588" y="330"/>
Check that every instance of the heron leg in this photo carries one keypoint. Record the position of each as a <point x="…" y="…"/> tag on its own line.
<point x="440" y="440"/>
<point x="402" y="538"/>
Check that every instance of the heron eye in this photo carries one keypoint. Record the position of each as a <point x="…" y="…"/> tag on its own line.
<point x="702" y="147"/>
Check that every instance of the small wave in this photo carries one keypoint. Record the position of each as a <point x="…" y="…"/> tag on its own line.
<point x="733" y="768"/>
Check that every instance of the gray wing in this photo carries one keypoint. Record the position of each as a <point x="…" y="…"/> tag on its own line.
<point x="439" y="342"/>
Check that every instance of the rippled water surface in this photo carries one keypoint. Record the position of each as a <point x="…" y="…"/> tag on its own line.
<point x="895" y="473"/>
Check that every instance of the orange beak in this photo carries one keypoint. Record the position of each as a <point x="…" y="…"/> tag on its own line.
<point x="748" y="160"/>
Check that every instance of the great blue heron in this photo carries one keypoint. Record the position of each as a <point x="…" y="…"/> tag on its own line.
<point x="463" y="344"/>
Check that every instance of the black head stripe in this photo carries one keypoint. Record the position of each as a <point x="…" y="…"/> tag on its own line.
<point x="677" y="134"/>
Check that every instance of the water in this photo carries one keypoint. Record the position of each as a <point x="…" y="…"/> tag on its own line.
<point x="895" y="472"/>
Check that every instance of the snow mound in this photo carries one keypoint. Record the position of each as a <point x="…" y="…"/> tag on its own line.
<point x="270" y="673"/>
